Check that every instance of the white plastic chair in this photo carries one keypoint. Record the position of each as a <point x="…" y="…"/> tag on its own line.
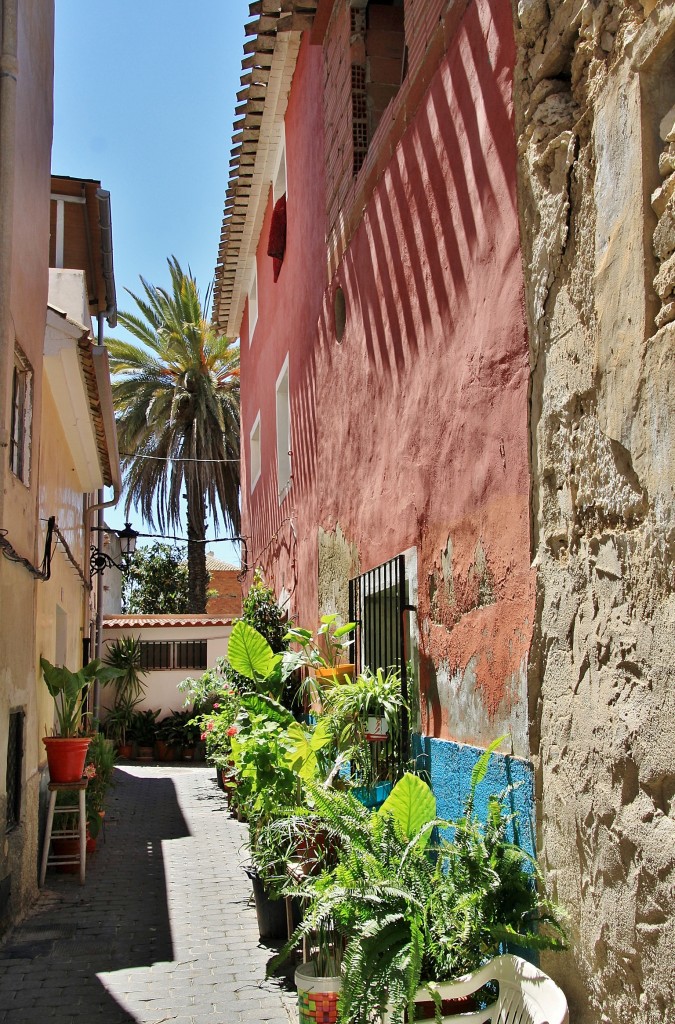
<point x="526" y="994"/>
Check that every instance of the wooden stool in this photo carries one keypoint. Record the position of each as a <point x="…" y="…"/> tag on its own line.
<point x="66" y="833"/>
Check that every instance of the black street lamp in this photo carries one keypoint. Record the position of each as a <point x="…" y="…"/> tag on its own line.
<point x="101" y="560"/>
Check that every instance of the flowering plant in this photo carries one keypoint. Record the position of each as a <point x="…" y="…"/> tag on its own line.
<point x="99" y="770"/>
<point x="216" y="727"/>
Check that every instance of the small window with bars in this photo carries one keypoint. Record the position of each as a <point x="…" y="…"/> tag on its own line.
<point x="22" y="417"/>
<point x="163" y="655"/>
<point x="14" y="768"/>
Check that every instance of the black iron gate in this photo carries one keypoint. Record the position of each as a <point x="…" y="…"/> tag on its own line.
<point x="378" y="603"/>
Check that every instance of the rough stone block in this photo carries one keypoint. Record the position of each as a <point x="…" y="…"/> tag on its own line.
<point x="661" y="195"/>
<point x="664" y="282"/>
<point x="664" y="236"/>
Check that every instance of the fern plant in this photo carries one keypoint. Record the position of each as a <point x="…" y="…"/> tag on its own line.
<point x="408" y="909"/>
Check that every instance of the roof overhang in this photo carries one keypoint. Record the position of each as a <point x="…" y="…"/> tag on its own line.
<point x="268" y="66"/>
<point x="164" y="621"/>
<point x="81" y="239"/>
<point x="78" y="375"/>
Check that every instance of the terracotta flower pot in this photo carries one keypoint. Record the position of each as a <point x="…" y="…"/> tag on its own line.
<point x="66" y="756"/>
<point x="164" y="751"/>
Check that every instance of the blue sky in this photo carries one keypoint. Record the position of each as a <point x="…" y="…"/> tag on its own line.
<point x="144" y="97"/>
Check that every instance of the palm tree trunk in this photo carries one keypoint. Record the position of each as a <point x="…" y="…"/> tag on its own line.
<point x="196" y="555"/>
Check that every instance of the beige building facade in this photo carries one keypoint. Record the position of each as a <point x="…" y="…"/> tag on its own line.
<point x="25" y="149"/>
<point x="595" y="113"/>
<point x="173" y="648"/>
<point x="57" y="436"/>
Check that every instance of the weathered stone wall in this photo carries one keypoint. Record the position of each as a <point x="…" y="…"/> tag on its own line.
<point x="594" y="92"/>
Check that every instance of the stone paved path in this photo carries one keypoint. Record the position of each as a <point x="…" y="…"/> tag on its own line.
<point x="164" y="929"/>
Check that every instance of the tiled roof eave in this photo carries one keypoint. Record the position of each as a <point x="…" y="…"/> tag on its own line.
<point x="85" y="346"/>
<point x="269" y="62"/>
<point x="163" y="621"/>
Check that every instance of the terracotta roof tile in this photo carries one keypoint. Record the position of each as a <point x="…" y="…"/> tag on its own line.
<point x="155" y="621"/>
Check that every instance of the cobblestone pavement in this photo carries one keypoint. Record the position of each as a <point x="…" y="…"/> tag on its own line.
<point x="164" y="929"/>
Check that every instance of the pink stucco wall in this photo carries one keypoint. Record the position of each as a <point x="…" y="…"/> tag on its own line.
<point x="288" y="311"/>
<point x="412" y="432"/>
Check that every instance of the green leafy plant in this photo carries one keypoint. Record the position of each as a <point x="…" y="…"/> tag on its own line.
<point x="217" y="727"/>
<point x="125" y="655"/>
<point x="70" y="689"/>
<point x="98" y="769"/>
<point x="143" y="727"/>
<point x="274" y="757"/>
<point x="172" y="729"/>
<point x="259" y="751"/>
<point x="349" y="707"/>
<point x="200" y="693"/>
<point x="250" y="655"/>
<point x="329" y="648"/>
<point x="119" y="718"/>
<point x="409" y="909"/>
<point x="260" y="611"/>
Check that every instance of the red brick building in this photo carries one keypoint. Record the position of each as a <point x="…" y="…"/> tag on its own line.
<point x="225" y="587"/>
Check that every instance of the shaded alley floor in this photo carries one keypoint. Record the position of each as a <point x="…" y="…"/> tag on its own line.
<point x="164" y="930"/>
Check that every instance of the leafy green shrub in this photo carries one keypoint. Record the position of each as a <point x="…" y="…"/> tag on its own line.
<point x="407" y="910"/>
<point x="261" y="611"/>
<point x="156" y="582"/>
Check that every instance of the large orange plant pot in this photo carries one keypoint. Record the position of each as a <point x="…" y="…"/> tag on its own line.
<point x="330" y="676"/>
<point x="66" y="756"/>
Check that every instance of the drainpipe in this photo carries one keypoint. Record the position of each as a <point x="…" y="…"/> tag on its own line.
<point x="105" y="227"/>
<point x="102" y="375"/>
<point x="9" y="71"/>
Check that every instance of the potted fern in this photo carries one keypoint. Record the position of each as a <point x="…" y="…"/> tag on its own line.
<point x="414" y="913"/>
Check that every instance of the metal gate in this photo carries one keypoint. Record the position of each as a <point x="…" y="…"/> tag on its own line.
<point x="378" y="602"/>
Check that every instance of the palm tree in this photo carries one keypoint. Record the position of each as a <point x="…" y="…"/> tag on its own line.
<point x="176" y="398"/>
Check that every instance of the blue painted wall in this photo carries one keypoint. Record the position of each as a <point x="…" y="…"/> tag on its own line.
<point x="449" y="766"/>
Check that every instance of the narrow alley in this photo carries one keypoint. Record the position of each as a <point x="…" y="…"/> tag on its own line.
<point x="162" y="931"/>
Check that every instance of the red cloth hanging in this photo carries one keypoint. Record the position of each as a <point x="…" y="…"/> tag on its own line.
<point x="276" y="246"/>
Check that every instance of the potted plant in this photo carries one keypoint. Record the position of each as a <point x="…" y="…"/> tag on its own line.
<point x="365" y="715"/>
<point x="164" y="740"/>
<point x="216" y="733"/>
<point x="414" y="914"/>
<point x="171" y="731"/>
<point x="66" y="751"/>
<point x="327" y="652"/>
<point x="117" y="723"/>
<point x="124" y="655"/>
<point x="272" y="755"/>
<point x="143" y="731"/>
<point x="191" y="737"/>
<point x="98" y="769"/>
